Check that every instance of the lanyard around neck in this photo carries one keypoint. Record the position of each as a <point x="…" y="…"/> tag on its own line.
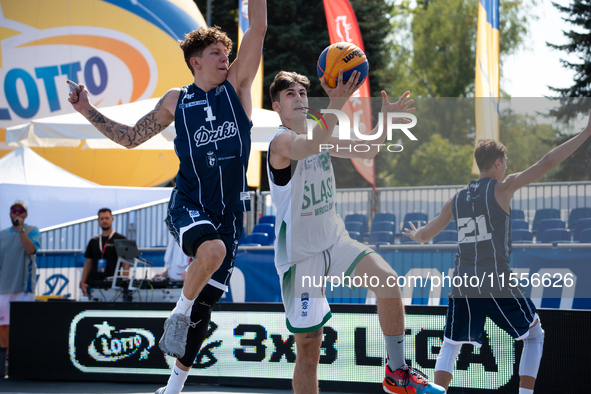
<point x="101" y="247"/>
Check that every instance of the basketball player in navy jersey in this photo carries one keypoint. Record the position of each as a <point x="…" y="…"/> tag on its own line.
<point x="205" y="213"/>
<point x="481" y="211"/>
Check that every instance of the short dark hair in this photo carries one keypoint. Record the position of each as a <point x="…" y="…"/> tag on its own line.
<point x="197" y="40"/>
<point x="104" y="210"/>
<point x="486" y="152"/>
<point x="284" y="80"/>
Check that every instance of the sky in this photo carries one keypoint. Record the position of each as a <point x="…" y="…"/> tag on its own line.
<point x="528" y="72"/>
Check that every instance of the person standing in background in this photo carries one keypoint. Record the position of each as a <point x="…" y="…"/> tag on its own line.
<point x="18" y="271"/>
<point x="101" y="256"/>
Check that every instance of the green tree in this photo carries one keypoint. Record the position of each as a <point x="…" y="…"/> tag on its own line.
<point x="439" y="162"/>
<point x="435" y="49"/>
<point x="575" y="99"/>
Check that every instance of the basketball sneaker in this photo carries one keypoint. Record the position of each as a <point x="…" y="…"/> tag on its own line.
<point x="407" y="380"/>
<point x="174" y="339"/>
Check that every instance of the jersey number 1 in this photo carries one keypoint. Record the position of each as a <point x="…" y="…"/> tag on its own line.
<point x="468" y="233"/>
<point x="210" y="117"/>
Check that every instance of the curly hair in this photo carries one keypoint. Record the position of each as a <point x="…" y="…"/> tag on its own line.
<point x="197" y="40"/>
<point x="486" y="152"/>
<point x="284" y="80"/>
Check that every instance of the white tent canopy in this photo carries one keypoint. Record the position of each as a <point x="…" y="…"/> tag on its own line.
<point x="55" y="196"/>
<point x="71" y="129"/>
<point x="25" y="167"/>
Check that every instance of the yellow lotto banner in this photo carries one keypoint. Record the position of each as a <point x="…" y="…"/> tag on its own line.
<point x="487" y="80"/>
<point x="123" y="51"/>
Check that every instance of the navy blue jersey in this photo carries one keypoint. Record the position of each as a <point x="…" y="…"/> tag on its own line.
<point x="484" y="238"/>
<point x="213" y="144"/>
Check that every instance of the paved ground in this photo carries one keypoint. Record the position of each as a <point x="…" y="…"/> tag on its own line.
<point x="36" y="387"/>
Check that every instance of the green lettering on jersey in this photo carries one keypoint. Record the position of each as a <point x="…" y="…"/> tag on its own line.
<point x="314" y="199"/>
<point x="325" y="159"/>
<point x="306" y="203"/>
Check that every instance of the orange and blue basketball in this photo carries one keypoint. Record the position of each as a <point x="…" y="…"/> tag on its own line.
<point x="341" y="55"/>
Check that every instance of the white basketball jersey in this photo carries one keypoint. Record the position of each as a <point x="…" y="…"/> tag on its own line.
<point x="306" y="219"/>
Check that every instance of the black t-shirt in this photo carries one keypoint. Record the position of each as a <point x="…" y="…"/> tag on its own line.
<point x="94" y="252"/>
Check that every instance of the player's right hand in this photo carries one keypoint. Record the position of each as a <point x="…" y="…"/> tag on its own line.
<point x="79" y="98"/>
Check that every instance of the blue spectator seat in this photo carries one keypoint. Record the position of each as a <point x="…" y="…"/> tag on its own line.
<point x="384" y="217"/>
<point x="356" y="235"/>
<point x="446" y="237"/>
<point x="582" y="224"/>
<point x="548" y="224"/>
<point x="520" y="236"/>
<point x="415" y="223"/>
<point x="355" y="226"/>
<point x="576" y="214"/>
<point x="261" y="239"/>
<point x="451" y="226"/>
<point x="383" y="226"/>
<point x="357" y="217"/>
<point x="556" y="235"/>
<point x="585" y="236"/>
<point x="381" y="237"/>
<point x="413" y="216"/>
<point x="517" y="214"/>
<point x="267" y="219"/>
<point x="265" y="228"/>
<point x="519" y="224"/>
<point x="541" y="214"/>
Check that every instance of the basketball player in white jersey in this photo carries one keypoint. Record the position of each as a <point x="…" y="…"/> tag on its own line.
<point x="482" y="213"/>
<point x="311" y="240"/>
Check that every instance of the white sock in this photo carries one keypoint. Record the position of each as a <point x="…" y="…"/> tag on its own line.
<point x="183" y="305"/>
<point x="525" y="391"/>
<point x="176" y="382"/>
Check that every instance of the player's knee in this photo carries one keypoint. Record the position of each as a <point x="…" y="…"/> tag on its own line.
<point x="211" y="255"/>
<point x="533" y="345"/>
<point x="308" y="353"/>
<point x="447" y="357"/>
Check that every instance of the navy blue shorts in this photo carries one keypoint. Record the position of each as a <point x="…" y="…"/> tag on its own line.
<point x="192" y="226"/>
<point x="466" y="317"/>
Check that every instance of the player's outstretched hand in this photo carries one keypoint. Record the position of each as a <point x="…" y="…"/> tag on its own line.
<point x="79" y="98"/>
<point x="412" y="233"/>
<point x="399" y="106"/>
<point x="343" y="90"/>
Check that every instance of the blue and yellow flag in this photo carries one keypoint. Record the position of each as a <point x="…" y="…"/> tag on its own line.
<point x="487" y="72"/>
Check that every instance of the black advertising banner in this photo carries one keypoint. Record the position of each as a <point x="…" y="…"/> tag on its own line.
<point x="249" y="344"/>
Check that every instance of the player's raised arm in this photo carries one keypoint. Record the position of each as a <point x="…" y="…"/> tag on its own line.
<point x="347" y="150"/>
<point x="292" y="107"/>
<point x="515" y="182"/>
<point x="244" y="68"/>
<point x="128" y="136"/>
<point x="434" y="227"/>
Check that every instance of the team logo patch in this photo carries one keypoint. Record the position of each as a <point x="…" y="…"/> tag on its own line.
<point x="305" y="303"/>
<point x="211" y="159"/>
<point x="219" y="90"/>
<point x="194" y="213"/>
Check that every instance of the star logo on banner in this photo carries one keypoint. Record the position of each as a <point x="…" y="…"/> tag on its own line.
<point x="104" y="329"/>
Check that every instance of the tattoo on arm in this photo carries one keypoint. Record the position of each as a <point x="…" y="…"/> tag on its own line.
<point x="128" y="136"/>
<point x="315" y="334"/>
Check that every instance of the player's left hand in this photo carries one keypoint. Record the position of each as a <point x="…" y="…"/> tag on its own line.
<point x="399" y="106"/>
<point x="412" y="233"/>
<point x="343" y="90"/>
